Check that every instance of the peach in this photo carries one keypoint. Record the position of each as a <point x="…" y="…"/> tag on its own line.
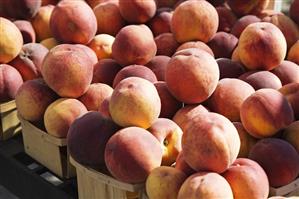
<point x="60" y="114"/>
<point x="67" y="27"/>
<point x="105" y="71"/>
<point x="87" y="138"/>
<point x="290" y="91"/>
<point x="126" y="158"/>
<point x="293" y="54"/>
<point x="167" y="3"/>
<point x="268" y="13"/>
<point x="210" y="143"/>
<point x="109" y="19"/>
<point x="33" y="98"/>
<point x="294" y="10"/>
<point x="236" y="55"/>
<point x="64" y="78"/>
<point x="247" y="178"/>
<point x="247" y="141"/>
<point x="278" y="158"/>
<point x="94" y="3"/>
<point x="11" y="80"/>
<point x="102" y="45"/>
<point x="26" y="30"/>
<point x="29" y="61"/>
<point x="287" y="26"/>
<point x="49" y="43"/>
<point x="216" y="3"/>
<point x="22" y="9"/>
<point x="287" y="72"/>
<point x="134" y="71"/>
<point x="95" y="95"/>
<point x="266" y="112"/>
<point x="227" y="19"/>
<point x="89" y="52"/>
<point x="134" y="44"/>
<point x="223" y="44"/>
<point x="198" y="73"/>
<point x="169" y="134"/>
<point x="208" y="185"/>
<point x="158" y="66"/>
<point x="181" y="165"/>
<point x="185" y="114"/>
<point x="195" y="44"/>
<point x="262" y="46"/>
<point x="160" y="23"/>
<point x="241" y="8"/>
<point x="11" y="41"/>
<point x="136" y="11"/>
<point x="169" y="105"/>
<point x="261" y="79"/>
<point x="229" y="96"/>
<point x="138" y="98"/>
<point x="242" y="23"/>
<point x="166" y="44"/>
<point x="229" y="68"/>
<point x="164" y="182"/>
<point x="290" y="134"/>
<point x="41" y="22"/>
<point x="190" y="14"/>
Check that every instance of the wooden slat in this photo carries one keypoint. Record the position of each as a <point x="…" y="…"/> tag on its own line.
<point x="291" y="189"/>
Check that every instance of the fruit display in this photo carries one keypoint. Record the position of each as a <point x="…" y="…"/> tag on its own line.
<point x="192" y="98"/>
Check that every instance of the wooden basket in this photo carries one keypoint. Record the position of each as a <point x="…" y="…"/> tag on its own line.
<point x="95" y="185"/>
<point x="50" y="151"/>
<point x="288" y="190"/>
<point x="10" y="124"/>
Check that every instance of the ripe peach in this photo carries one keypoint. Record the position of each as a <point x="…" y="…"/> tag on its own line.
<point x="195" y="44"/>
<point x="293" y="54"/>
<point x="242" y="23"/>
<point x="67" y="27"/>
<point x="261" y="79"/>
<point x="278" y="158"/>
<point x="160" y="23"/>
<point x="247" y="178"/>
<point x="290" y="91"/>
<point x="223" y="44"/>
<point x="61" y="114"/>
<point x="248" y="7"/>
<point x="26" y="30"/>
<point x="134" y="44"/>
<point x="208" y="185"/>
<point x="29" y="61"/>
<point x="109" y="18"/>
<point x="11" y="41"/>
<point x="41" y="22"/>
<point x="164" y="182"/>
<point x="136" y="11"/>
<point x="198" y="71"/>
<point x="22" y="9"/>
<point x="95" y="95"/>
<point x="166" y="44"/>
<point x="49" y="43"/>
<point x="87" y="138"/>
<point x="181" y="165"/>
<point x="262" y="46"/>
<point x="227" y="19"/>
<point x="158" y="66"/>
<point x="294" y="10"/>
<point x="33" y="98"/>
<point x="68" y="59"/>
<point x="138" y="98"/>
<point x="11" y="80"/>
<point x="266" y="112"/>
<point x="210" y="143"/>
<point x="186" y="113"/>
<point x="290" y="134"/>
<point x="190" y="14"/>
<point x="169" y="105"/>
<point x="287" y="72"/>
<point x="229" y="96"/>
<point x="105" y="71"/>
<point x="229" y="68"/>
<point x="102" y="45"/>
<point x="126" y="158"/>
<point x="134" y="71"/>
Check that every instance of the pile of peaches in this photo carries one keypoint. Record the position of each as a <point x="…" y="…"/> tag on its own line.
<point x="194" y="98"/>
